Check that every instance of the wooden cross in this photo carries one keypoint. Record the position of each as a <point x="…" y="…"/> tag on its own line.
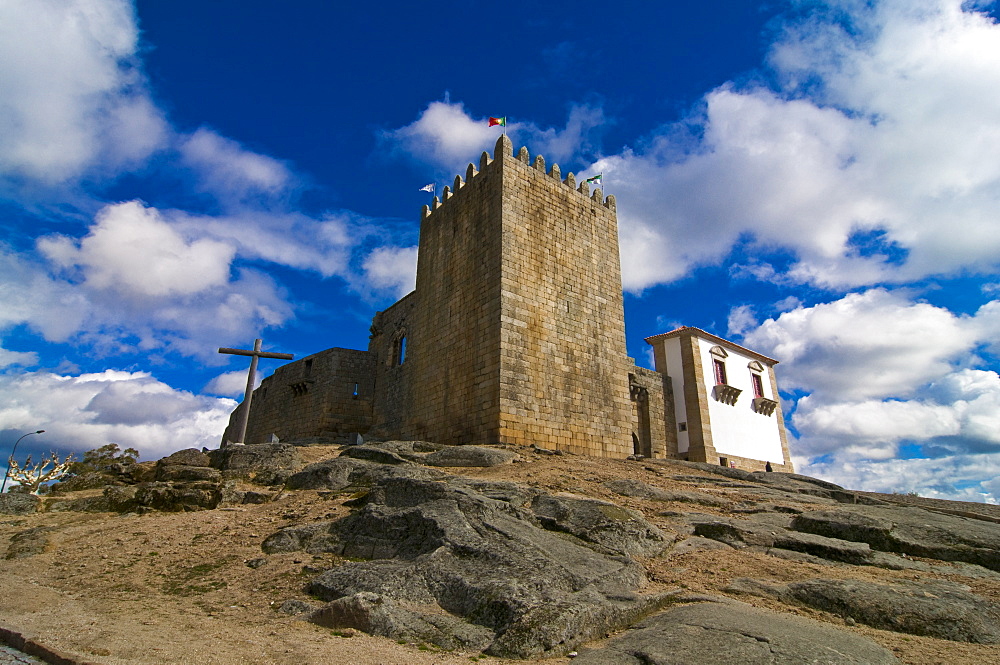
<point x="241" y="432"/>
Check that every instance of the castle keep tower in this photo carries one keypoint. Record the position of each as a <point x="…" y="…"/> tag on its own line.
<point x="515" y="334"/>
<point x="519" y="336"/>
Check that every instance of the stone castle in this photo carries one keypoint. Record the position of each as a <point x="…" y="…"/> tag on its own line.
<point x="515" y="334"/>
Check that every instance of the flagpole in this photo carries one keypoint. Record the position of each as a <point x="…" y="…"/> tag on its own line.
<point x="502" y="121"/>
<point x="432" y="190"/>
<point x="599" y="180"/>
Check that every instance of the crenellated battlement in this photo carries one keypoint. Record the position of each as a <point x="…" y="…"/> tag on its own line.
<point x="515" y="334"/>
<point x="504" y="150"/>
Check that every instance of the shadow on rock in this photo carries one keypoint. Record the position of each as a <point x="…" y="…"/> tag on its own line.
<point x="735" y="633"/>
<point x="935" y="608"/>
<point x="478" y="553"/>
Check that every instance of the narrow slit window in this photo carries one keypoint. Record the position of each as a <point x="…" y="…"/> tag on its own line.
<point x="758" y="385"/>
<point x="401" y="350"/>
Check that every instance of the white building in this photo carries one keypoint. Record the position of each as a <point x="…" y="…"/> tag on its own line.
<point x="726" y="407"/>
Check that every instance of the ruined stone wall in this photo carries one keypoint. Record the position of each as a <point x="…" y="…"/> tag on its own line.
<point x="327" y="394"/>
<point x="653" y="424"/>
<point x="390" y="343"/>
<point x="564" y="367"/>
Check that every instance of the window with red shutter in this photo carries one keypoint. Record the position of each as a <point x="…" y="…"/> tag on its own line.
<point x="720" y="372"/>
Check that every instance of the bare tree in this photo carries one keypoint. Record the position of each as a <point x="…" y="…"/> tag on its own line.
<point x="32" y="477"/>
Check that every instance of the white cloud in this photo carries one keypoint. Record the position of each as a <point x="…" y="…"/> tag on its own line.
<point x="22" y="358"/>
<point x="871" y="344"/>
<point x="562" y="145"/>
<point x="232" y="384"/>
<point x="198" y="326"/>
<point x="132" y="409"/>
<point x="150" y="280"/>
<point x="76" y="113"/>
<point x="788" y="304"/>
<point x="112" y="315"/>
<point x="882" y="371"/>
<point x="871" y="160"/>
<point x="960" y="412"/>
<point x="445" y="136"/>
<point x="663" y="324"/>
<point x="954" y="477"/>
<point x="392" y="268"/>
<point x="987" y="325"/>
<point x="284" y="238"/>
<point x="871" y="429"/>
<point x="765" y="165"/>
<point x="28" y="295"/>
<point x="74" y="98"/>
<point x="231" y="172"/>
<point x="741" y="320"/>
<point x="134" y="252"/>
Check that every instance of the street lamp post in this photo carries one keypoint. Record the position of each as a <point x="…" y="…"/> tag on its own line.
<point x="12" y="450"/>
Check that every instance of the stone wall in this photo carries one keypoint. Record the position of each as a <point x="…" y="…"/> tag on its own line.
<point x="515" y="332"/>
<point x="327" y="394"/>
<point x="391" y="346"/>
<point x="454" y="348"/>
<point x="564" y="367"/>
<point x="699" y="425"/>
<point x="654" y="427"/>
<point x="787" y="466"/>
<point x="519" y="333"/>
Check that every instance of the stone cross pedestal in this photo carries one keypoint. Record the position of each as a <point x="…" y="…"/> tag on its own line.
<point x="241" y="432"/>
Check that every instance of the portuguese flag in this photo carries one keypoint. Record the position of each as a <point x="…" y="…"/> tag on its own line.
<point x="498" y="121"/>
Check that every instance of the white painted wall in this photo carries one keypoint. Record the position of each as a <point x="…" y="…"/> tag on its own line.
<point x="738" y="430"/>
<point x="672" y="352"/>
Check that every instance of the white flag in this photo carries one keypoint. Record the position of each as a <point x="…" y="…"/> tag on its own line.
<point x="428" y="188"/>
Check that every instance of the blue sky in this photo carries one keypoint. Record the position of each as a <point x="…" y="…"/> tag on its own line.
<point x="816" y="180"/>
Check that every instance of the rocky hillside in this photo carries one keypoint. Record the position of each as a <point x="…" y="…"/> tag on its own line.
<point x="411" y="552"/>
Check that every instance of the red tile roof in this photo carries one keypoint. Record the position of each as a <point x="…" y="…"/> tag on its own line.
<point x="698" y="332"/>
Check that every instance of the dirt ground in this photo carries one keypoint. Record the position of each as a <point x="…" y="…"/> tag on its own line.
<point x="176" y="588"/>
